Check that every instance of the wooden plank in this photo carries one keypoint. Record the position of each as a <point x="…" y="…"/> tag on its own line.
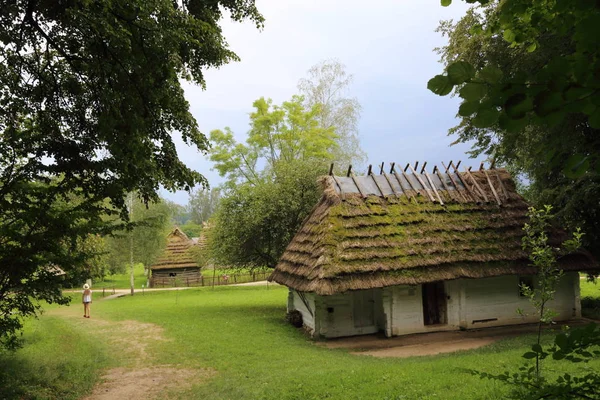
<point x="462" y="181"/>
<point x="434" y="189"/>
<point x="387" y="178"/>
<point x="338" y="185"/>
<point x="377" y="184"/>
<point x="492" y="187"/>
<point x="404" y="190"/>
<point x="362" y="192"/>
<point x="446" y="188"/>
<point x="454" y="183"/>
<point x="504" y="191"/>
<point x="485" y="198"/>
<point x="427" y="190"/>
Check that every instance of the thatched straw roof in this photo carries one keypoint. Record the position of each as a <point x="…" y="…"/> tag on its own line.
<point x="411" y="228"/>
<point x="176" y="255"/>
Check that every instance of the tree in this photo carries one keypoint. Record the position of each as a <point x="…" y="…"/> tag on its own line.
<point x="546" y="155"/>
<point x="271" y="181"/>
<point x="326" y="87"/>
<point x="91" y="95"/>
<point x="573" y="345"/>
<point x="255" y="223"/>
<point x="566" y="85"/>
<point x="202" y="204"/>
<point x="148" y="227"/>
<point x="278" y="135"/>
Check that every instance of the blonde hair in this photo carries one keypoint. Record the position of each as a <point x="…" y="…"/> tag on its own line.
<point x="86" y="286"/>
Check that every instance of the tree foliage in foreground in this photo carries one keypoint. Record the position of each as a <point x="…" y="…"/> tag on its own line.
<point x="90" y="97"/>
<point x="579" y="345"/>
<point x="565" y="83"/>
<point x="550" y="156"/>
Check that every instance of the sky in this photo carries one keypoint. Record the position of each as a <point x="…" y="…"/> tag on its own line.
<point x="387" y="45"/>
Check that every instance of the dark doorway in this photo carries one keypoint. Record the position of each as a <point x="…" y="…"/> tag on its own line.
<point x="434" y="303"/>
<point x="364" y="308"/>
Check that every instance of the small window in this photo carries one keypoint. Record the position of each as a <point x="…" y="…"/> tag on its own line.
<point x="525" y="281"/>
<point x="172" y="273"/>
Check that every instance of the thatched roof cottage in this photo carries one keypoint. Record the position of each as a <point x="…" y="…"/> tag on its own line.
<point x="176" y="266"/>
<point x="409" y="252"/>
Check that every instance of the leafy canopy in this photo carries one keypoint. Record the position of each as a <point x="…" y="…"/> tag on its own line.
<point x="567" y="84"/>
<point x="559" y="162"/>
<point x="278" y="134"/>
<point x="90" y="97"/>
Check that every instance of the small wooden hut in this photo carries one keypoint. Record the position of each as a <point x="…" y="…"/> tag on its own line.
<point x="176" y="265"/>
<point x="408" y="252"/>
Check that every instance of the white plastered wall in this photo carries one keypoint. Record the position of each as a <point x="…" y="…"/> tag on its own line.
<point x="475" y="303"/>
<point x="296" y="301"/>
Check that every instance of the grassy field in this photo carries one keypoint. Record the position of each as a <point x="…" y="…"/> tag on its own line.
<point x="121" y="281"/>
<point x="590" y="299"/>
<point x="241" y="334"/>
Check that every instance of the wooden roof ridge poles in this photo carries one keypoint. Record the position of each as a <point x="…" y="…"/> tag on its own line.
<point x="427" y="190"/>
<point x="454" y="182"/>
<point x="492" y="187"/>
<point x="424" y="171"/>
<point x="436" y="171"/>
<point x="336" y="181"/>
<point x="479" y="189"/>
<point x="404" y="190"/>
<point x="387" y="178"/>
<point x="375" y="181"/>
<point x="501" y="184"/>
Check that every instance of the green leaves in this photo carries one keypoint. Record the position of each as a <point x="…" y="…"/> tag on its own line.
<point x="490" y="74"/>
<point x="473" y="91"/>
<point x="468" y="108"/>
<point x="576" y="166"/>
<point x="440" y="85"/>
<point x="486" y="118"/>
<point x="460" y="72"/>
<point x="445" y="3"/>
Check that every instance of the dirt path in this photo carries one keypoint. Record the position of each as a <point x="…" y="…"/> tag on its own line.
<point x="425" y="344"/>
<point x="116" y="293"/>
<point x="136" y="377"/>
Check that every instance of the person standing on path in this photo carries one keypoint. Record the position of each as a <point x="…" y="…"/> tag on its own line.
<point x="86" y="299"/>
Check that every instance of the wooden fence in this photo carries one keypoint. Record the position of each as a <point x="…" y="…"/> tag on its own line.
<point x="217" y="280"/>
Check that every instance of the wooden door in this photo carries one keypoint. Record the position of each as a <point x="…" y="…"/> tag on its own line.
<point x="434" y="304"/>
<point x="364" y="308"/>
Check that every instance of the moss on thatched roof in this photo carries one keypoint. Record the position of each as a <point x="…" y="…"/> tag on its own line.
<point x="176" y="254"/>
<point x="377" y="236"/>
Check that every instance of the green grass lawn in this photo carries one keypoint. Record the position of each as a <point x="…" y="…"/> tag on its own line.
<point x="590" y="299"/>
<point x="121" y="281"/>
<point x="241" y="333"/>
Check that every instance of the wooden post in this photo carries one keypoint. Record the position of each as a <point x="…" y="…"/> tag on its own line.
<point x="492" y="187"/>
<point x="433" y="186"/>
<point x="454" y="182"/>
<point x="400" y="182"/>
<point x="476" y="184"/>
<point x="427" y="190"/>
<point x="501" y="185"/>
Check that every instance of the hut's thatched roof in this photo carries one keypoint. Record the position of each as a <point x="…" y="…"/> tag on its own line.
<point x="411" y="228"/>
<point x="177" y="254"/>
